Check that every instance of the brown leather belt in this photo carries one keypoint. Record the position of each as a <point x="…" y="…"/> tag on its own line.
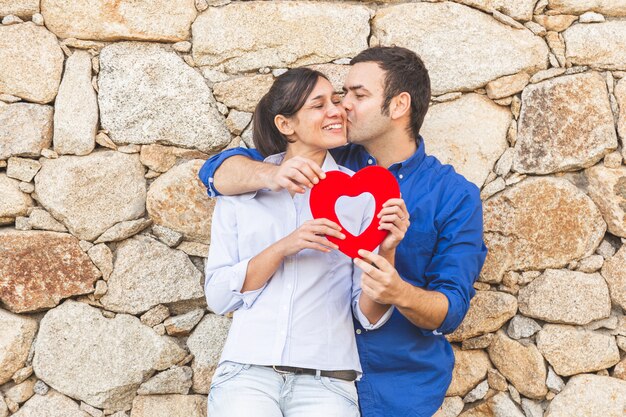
<point x="347" y="375"/>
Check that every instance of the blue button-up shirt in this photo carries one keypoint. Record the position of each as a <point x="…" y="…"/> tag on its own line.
<point x="407" y="369"/>
<point x="302" y="316"/>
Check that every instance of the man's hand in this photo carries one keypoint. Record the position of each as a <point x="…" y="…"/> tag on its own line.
<point x="380" y="280"/>
<point x="394" y="217"/>
<point x="294" y="175"/>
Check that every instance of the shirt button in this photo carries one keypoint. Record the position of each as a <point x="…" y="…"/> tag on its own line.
<point x="369" y="161"/>
<point x="401" y="176"/>
<point x="358" y="331"/>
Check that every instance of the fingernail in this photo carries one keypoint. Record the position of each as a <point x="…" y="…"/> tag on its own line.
<point x="342" y="236"/>
<point x="316" y="180"/>
<point x="323" y="175"/>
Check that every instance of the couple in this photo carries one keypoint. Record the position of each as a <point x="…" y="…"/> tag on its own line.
<point x="290" y="350"/>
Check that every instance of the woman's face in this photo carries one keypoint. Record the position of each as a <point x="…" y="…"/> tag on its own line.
<point x="321" y="122"/>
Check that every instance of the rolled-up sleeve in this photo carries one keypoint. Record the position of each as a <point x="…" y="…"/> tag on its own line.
<point x="459" y="256"/>
<point x="225" y="271"/>
<point x="207" y="172"/>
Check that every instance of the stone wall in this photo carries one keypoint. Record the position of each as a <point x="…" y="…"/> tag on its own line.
<point x="108" y="109"/>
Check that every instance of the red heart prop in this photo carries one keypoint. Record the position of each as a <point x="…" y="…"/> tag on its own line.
<point x="375" y="180"/>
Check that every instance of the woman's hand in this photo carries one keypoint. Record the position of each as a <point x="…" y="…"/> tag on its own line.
<point x="394" y="217"/>
<point x="311" y="235"/>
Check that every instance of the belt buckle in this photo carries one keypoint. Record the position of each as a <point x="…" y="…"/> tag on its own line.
<point x="280" y="372"/>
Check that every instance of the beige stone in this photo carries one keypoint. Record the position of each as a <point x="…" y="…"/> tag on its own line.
<point x="21" y="8"/>
<point x="522" y="365"/>
<point x="620" y="95"/>
<point x="16" y="337"/>
<point x="180" y="191"/>
<point x="39" y="269"/>
<point x="150" y="95"/>
<point x="451" y="407"/>
<point x="123" y="230"/>
<point x="470" y="367"/>
<point x="40" y="219"/>
<point x="336" y="74"/>
<point x="556" y="23"/>
<point x="158" y="158"/>
<point x="176" y="380"/>
<point x="586" y="45"/>
<point x="89" y="194"/>
<point x="146" y="20"/>
<point x="500" y="405"/>
<point x="572" y="350"/>
<point x="606" y="7"/>
<point x="31" y="62"/>
<point x="244" y="36"/>
<point x="25" y="129"/>
<point x="206" y="344"/>
<point x="569" y="297"/>
<point x="22" y="169"/>
<point x="607" y="188"/>
<point x="517" y="9"/>
<point x="468" y="61"/>
<point x="565" y="124"/>
<point x="53" y="404"/>
<point x="14" y="202"/>
<point x="614" y="271"/>
<point x="590" y="396"/>
<point x="98" y="360"/>
<point x="488" y="311"/>
<point x="243" y="93"/>
<point x="76" y="108"/>
<point x="521" y="224"/>
<point x="507" y="86"/>
<point x="169" y="406"/>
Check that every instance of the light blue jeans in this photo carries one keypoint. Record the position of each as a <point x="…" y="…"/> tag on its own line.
<point x="239" y="390"/>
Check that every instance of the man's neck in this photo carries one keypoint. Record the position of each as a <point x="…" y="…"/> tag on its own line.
<point x="389" y="151"/>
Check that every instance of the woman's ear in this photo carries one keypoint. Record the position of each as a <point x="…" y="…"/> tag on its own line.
<point x="283" y="124"/>
<point x="400" y="105"/>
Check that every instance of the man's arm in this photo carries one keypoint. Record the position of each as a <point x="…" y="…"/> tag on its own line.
<point x="239" y="170"/>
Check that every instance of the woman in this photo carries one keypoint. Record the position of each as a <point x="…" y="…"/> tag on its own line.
<point x="291" y="349"/>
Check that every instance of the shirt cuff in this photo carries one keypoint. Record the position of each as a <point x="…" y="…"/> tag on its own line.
<point x="365" y="323"/>
<point x="236" y="283"/>
<point x="450" y="322"/>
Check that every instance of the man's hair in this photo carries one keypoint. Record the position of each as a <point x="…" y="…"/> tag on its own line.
<point x="286" y="96"/>
<point x="405" y="72"/>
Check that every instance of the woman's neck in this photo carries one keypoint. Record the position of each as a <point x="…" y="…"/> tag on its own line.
<point x="316" y="155"/>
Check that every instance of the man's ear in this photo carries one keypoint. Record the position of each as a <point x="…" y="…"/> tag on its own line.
<point x="400" y="105"/>
<point x="283" y="124"/>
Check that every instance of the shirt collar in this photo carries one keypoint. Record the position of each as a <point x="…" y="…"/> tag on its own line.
<point x="415" y="160"/>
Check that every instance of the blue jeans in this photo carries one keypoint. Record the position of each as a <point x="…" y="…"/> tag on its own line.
<point x="239" y="390"/>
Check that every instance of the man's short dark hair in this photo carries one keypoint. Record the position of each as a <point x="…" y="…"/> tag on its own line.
<point x="405" y="72"/>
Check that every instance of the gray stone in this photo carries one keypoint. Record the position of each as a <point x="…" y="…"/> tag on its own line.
<point x="76" y="108"/>
<point x="468" y="133"/>
<point x="505" y="163"/>
<point x="554" y="382"/>
<point x="74" y="354"/>
<point x="181" y="191"/>
<point x="607" y="188"/>
<point x="149" y="95"/>
<point x="123" y="230"/>
<point x="31" y="62"/>
<point x="176" y="380"/>
<point x="556" y="133"/>
<point x="477" y="393"/>
<point x="147" y="273"/>
<point x="245" y="36"/>
<point x="586" y="45"/>
<point x="492" y="188"/>
<point x="606" y="249"/>
<point x="591" y="17"/>
<point x="16" y="336"/>
<point x="470" y="367"/>
<point x="41" y="388"/>
<point x="569" y="297"/>
<point x="521" y="222"/>
<point x="522" y="327"/>
<point x="183" y="324"/>
<point x="573" y="351"/>
<point x="89" y="194"/>
<point x="532" y="408"/>
<point x="522" y="365"/>
<point x="590" y="396"/>
<point x="53" y="404"/>
<point x="206" y="344"/>
<point x="25" y="129"/>
<point x="157" y="20"/>
<point x="488" y="311"/>
<point x="14" y="202"/>
<point x="614" y="271"/>
<point x="22" y="169"/>
<point x="468" y="62"/>
<point x="170" y="406"/>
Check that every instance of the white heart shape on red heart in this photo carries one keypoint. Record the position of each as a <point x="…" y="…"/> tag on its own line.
<point x="351" y="219"/>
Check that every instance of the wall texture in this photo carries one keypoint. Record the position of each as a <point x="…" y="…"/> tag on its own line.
<point x="108" y="109"/>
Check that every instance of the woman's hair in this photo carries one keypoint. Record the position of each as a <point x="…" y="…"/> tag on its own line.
<point x="286" y="96"/>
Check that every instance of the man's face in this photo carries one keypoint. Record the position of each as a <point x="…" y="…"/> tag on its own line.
<point x="364" y="88"/>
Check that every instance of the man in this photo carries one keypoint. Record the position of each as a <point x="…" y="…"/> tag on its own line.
<point x="407" y="364"/>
